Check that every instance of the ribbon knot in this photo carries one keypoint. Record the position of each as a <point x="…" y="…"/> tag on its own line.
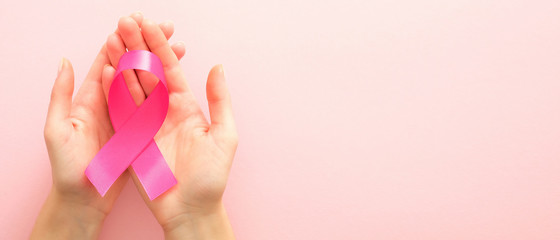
<point x="135" y="128"/>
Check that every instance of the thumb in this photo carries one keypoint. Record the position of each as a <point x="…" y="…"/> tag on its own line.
<point x="61" y="95"/>
<point x="219" y="104"/>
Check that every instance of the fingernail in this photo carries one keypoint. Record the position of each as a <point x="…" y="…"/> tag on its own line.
<point x="221" y="70"/>
<point x="60" y="65"/>
<point x="168" y="23"/>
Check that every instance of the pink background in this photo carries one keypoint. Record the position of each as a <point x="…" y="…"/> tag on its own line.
<point x="403" y="119"/>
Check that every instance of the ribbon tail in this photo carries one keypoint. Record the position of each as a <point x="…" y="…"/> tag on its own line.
<point x="153" y="172"/>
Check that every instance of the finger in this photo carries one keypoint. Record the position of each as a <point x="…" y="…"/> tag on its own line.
<point x="135" y="90"/>
<point x="137" y="17"/>
<point x="61" y="95"/>
<point x="158" y="44"/>
<point x="219" y="104"/>
<point x="179" y="49"/>
<point x="107" y="79"/>
<point x="133" y="40"/>
<point x="90" y="94"/>
<point x="118" y="48"/>
<point x="115" y="45"/>
<point x="131" y="35"/>
<point x="115" y="49"/>
<point x="167" y="27"/>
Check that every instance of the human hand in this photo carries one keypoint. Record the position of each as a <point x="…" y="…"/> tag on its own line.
<point x="74" y="132"/>
<point x="198" y="152"/>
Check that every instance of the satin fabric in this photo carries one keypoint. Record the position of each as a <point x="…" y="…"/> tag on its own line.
<point x="135" y="128"/>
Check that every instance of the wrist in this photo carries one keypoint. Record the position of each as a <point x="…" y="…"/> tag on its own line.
<point x="62" y="218"/>
<point x="209" y="224"/>
<point x="78" y="210"/>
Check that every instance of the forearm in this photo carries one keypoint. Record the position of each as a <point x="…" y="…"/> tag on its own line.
<point x="212" y="225"/>
<point x="61" y="219"/>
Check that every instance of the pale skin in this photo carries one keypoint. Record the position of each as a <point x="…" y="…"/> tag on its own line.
<point x="199" y="152"/>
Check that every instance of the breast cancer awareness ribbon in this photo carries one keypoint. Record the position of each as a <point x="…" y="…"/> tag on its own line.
<point x="135" y="128"/>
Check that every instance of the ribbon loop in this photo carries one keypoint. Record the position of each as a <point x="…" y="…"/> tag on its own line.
<point x="135" y="128"/>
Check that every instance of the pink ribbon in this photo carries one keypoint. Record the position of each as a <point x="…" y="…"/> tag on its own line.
<point x="135" y="128"/>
